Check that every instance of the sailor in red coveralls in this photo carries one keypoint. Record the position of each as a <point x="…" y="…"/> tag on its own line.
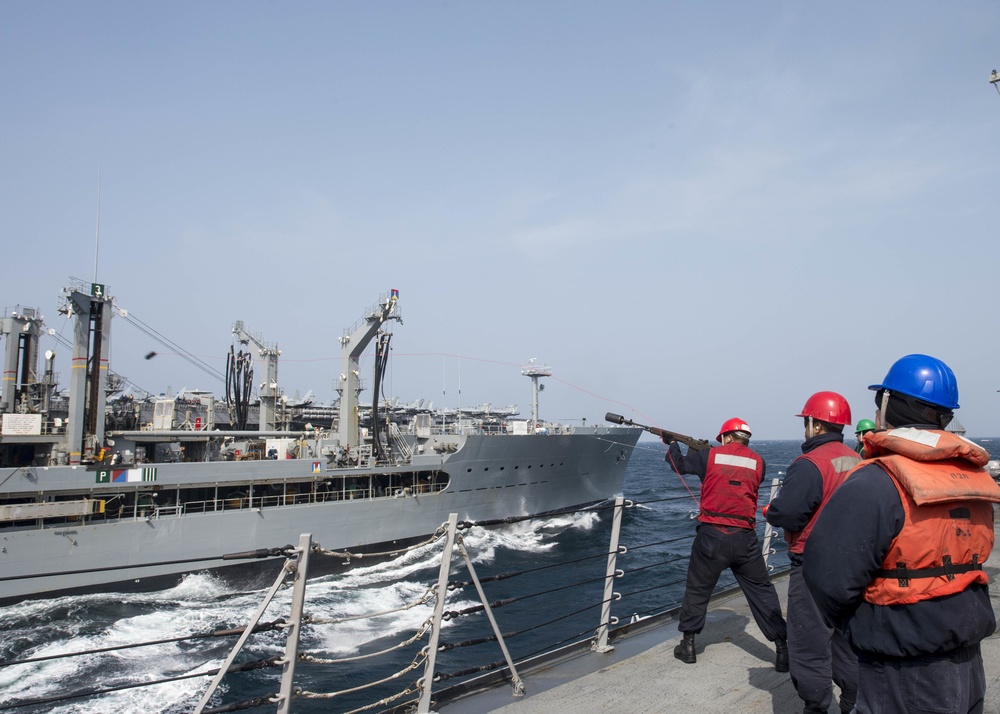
<point x="730" y="479"/>
<point x="819" y="654"/>
<point x="897" y="554"/>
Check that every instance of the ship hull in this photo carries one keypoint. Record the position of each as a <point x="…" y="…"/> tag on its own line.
<point x="484" y="478"/>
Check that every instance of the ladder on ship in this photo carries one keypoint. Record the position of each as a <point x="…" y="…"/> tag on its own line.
<point x="399" y="443"/>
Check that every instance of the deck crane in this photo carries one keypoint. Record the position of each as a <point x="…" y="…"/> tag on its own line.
<point x="352" y="346"/>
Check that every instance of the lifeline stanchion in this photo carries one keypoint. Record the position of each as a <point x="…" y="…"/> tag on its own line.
<point x="601" y="643"/>
<point x="288" y="567"/>
<point x="516" y="680"/>
<point x="295" y="626"/>
<point x="769" y="530"/>
<point x="442" y="589"/>
<point x="451" y="540"/>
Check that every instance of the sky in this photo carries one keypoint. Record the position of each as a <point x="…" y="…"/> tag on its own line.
<point x="687" y="211"/>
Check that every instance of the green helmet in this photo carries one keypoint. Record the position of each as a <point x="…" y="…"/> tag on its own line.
<point x="865" y="425"/>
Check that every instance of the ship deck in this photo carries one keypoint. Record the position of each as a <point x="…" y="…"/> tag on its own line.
<point x="734" y="671"/>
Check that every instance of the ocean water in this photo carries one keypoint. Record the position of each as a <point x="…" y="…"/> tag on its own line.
<point x="556" y="597"/>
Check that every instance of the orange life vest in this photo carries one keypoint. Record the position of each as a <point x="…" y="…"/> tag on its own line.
<point x="834" y="460"/>
<point x="947" y="500"/>
<point x="729" y="489"/>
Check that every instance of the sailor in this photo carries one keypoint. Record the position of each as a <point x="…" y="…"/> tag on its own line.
<point x="907" y="578"/>
<point x="818" y="652"/>
<point x="865" y="426"/>
<point x="726" y="537"/>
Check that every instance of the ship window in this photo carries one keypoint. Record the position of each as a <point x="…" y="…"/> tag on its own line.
<point x="486" y="469"/>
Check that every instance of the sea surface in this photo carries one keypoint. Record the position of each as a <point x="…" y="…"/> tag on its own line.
<point x="555" y="569"/>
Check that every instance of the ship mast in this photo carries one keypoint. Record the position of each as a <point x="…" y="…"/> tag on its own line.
<point x="89" y="378"/>
<point x="352" y="346"/>
<point x="23" y="328"/>
<point x="535" y="372"/>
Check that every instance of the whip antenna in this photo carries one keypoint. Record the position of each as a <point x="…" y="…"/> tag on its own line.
<point x="97" y="242"/>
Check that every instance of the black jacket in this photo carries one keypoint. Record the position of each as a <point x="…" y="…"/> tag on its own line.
<point x="847" y="546"/>
<point x="801" y="492"/>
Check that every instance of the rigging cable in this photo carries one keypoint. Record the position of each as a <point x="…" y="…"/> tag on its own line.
<point x="93" y="692"/>
<point x="166" y="342"/>
<point x="246" y="555"/>
<point x="260" y="627"/>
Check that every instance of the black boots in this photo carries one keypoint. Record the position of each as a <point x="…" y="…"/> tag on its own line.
<point x="685" y="650"/>
<point x="780" y="656"/>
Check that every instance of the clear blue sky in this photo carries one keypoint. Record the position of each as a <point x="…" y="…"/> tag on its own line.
<point x="689" y="211"/>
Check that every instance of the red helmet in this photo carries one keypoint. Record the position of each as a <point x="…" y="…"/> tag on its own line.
<point x="734" y="424"/>
<point x="829" y="407"/>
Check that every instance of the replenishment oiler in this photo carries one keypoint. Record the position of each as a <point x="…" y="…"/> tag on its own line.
<point x="99" y="493"/>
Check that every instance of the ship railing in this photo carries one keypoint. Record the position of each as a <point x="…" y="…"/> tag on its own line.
<point x="426" y="692"/>
<point x="295" y="569"/>
<point x="465" y="428"/>
<point x="167" y="511"/>
<point x="770" y="532"/>
<point x="171" y="503"/>
<point x="244" y="502"/>
<point x="427" y="655"/>
<point x="588" y="591"/>
<point x="291" y="573"/>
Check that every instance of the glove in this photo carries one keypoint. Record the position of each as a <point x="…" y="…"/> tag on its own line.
<point x="667" y="438"/>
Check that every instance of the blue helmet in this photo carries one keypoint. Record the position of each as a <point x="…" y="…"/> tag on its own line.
<point x="922" y="377"/>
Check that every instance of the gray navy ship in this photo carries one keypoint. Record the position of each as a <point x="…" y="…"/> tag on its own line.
<point x="106" y="493"/>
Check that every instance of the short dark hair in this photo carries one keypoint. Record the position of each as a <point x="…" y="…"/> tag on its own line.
<point x="827" y="426"/>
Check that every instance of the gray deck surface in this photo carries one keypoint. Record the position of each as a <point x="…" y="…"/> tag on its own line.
<point x="734" y="672"/>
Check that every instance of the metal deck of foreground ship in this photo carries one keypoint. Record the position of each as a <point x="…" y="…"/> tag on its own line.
<point x="85" y="503"/>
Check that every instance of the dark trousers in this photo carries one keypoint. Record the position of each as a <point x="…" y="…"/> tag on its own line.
<point x="818" y="653"/>
<point x="712" y="552"/>
<point x="946" y="684"/>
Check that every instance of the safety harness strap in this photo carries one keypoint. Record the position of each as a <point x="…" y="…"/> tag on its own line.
<point x="749" y="520"/>
<point x="948" y="569"/>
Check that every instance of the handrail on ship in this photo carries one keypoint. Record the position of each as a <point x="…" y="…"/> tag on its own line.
<point x="608" y="626"/>
<point x="422" y="697"/>
<point x="137" y="501"/>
